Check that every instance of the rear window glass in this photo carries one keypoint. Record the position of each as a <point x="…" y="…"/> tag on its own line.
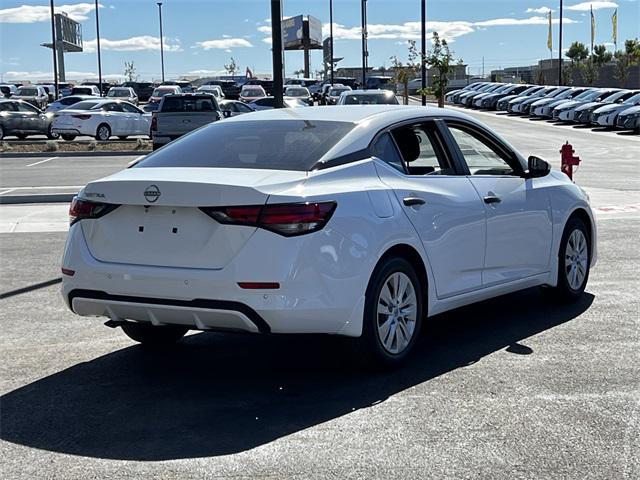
<point x="370" y="99"/>
<point x="188" y="104"/>
<point x="87" y="105"/>
<point x="27" y="91"/>
<point x="269" y="145"/>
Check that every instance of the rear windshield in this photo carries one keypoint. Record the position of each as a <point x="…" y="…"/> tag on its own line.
<point x="27" y="91"/>
<point x="86" y="105"/>
<point x="82" y="90"/>
<point x="189" y="104"/>
<point x="118" y="93"/>
<point x="268" y="145"/>
<point x="370" y="99"/>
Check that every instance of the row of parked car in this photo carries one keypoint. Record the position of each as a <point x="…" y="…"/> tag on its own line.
<point x="601" y="107"/>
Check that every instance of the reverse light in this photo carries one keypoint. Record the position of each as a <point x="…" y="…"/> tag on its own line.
<point x="84" y="209"/>
<point x="287" y="219"/>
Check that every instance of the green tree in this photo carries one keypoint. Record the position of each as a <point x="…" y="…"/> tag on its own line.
<point x="632" y="48"/>
<point x="623" y="66"/>
<point x="232" y="67"/>
<point x="297" y="73"/>
<point x="590" y="72"/>
<point x="404" y="72"/>
<point x="577" y="52"/>
<point x="601" y="56"/>
<point x="130" y="72"/>
<point x="441" y="60"/>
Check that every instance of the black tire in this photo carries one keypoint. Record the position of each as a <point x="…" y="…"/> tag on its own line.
<point x="68" y="137"/>
<point x="99" y="132"/>
<point x="370" y="346"/>
<point x="564" y="291"/>
<point x="122" y="137"/>
<point x="1" y="132"/>
<point x="152" y="336"/>
<point x="51" y="135"/>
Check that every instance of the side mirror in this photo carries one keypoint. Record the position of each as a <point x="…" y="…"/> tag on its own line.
<point x="226" y="113"/>
<point x="537" y="167"/>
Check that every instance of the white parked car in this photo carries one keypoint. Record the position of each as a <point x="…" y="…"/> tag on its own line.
<point x="368" y="97"/>
<point x="66" y="102"/>
<point x="607" y="115"/>
<point x="215" y="90"/>
<point x="127" y="94"/>
<point x="91" y="90"/>
<point x="101" y="119"/>
<point x="235" y="107"/>
<point x="360" y="224"/>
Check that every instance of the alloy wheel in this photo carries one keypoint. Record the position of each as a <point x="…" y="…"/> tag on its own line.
<point x="397" y="310"/>
<point x="103" y="133"/>
<point x="576" y="258"/>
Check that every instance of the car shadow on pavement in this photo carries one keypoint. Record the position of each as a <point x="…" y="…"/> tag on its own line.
<point x="218" y="394"/>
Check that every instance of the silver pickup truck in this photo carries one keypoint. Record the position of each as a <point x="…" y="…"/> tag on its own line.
<point x="180" y="114"/>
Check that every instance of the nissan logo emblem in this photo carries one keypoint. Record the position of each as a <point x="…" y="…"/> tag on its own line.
<point x="152" y="193"/>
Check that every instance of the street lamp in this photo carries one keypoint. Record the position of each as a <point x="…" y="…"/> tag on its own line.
<point x="98" y="48"/>
<point x="423" y="65"/>
<point x="331" y="36"/>
<point x="53" y="49"/>
<point x="276" y="52"/>
<point x="365" y="53"/>
<point x="161" y="40"/>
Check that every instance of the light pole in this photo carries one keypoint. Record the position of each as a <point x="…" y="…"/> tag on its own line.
<point x="276" y="52"/>
<point x="98" y="48"/>
<point x="53" y="49"/>
<point x="331" y="36"/>
<point x="365" y="53"/>
<point x="161" y="40"/>
<point x="560" y="49"/>
<point x="423" y="65"/>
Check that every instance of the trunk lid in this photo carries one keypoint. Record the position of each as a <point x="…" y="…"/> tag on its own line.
<point x="159" y="223"/>
<point x="176" y="124"/>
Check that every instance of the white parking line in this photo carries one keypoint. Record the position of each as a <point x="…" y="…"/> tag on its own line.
<point x="41" y="161"/>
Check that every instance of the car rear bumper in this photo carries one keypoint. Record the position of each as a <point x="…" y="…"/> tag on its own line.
<point x="325" y="295"/>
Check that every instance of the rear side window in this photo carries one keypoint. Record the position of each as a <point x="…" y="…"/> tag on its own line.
<point x="188" y="104"/>
<point x="268" y="145"/>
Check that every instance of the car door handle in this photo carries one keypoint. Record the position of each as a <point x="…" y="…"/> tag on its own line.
<point x="413" y="201"/>
<point x="492" y="199"/>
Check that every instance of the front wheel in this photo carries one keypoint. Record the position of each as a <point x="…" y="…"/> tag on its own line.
<point x="1" y="132"/>
<point x="103" y="132"/>
<point x="574" y="259"/>
<point x="152" y="336"/>
<point x="51" y="135"/>
<point x="393" y="312"/>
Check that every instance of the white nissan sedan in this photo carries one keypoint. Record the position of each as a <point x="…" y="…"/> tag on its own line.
<point x="101" y="119"/>
<point x="359" y="221"/>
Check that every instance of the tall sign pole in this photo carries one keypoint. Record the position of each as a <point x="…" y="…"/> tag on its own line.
<point x="331" y="36"/>
<point x="161" y="40"/>
<point x="98" y="48"/>
<point x="54" y="50"/>
<point x="365" y="53"/>
<point x="560" y="48"/>
<point x="423" y="56"/>
<point x="276" y="52"/>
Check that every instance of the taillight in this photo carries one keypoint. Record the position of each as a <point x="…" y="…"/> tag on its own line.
<point x="154" y="124"/>
<point x="287" y="219"/>
<point x="82" y="116"/>
<point x="81" y="209"/>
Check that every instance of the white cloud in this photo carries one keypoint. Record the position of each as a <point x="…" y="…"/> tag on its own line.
<point x="539" y="10"/>
<point x="134" y="44"/>
<point x="521" y="21"/>
<point x="34" y="13"/>
<point x="224" y="43"/>
<point x="47" y="76"/>
<point x="226" y="36"/>
<point x="586" y="6"/>
<point x="206" y="73"/>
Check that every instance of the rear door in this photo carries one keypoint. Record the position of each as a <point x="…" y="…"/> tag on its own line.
<point x="116" y="118"/>
<point x="28" y="117"/>
<point x="440" y="202"/>
<point x="136" y="121"/>
<point x="518" y="210"/>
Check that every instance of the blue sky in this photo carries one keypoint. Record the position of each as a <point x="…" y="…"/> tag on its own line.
<point x="201" y="35"/>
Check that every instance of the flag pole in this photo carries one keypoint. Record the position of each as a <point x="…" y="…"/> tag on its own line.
<point x="560" y="49"/>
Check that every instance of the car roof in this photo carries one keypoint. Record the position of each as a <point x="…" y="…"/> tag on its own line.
<point x="370" y="92"/>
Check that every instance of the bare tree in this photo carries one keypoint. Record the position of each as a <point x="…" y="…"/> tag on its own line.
<point x="130" y="72"/>
<point x="232" y="67"/>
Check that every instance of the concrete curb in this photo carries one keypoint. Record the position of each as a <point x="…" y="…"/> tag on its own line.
<point x="37" y="198"/>
<point x="125" y="153"/>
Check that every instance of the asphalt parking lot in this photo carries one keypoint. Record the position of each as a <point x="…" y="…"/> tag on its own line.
<point x="516" y="387"/>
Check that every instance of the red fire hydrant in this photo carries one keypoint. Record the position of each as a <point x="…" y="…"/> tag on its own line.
<point x="567" y="160"/>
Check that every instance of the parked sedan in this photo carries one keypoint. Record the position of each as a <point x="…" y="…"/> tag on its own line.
<point x="629" y="119"/>
<point x="583" y="112"/>
<point x="368" y="97"/>
<point x="544" y="106"/>
<point x="90" y="90"/>
<point x="466" y="99"/>
<point x="101" y="119"/>
<point x="299" y="93"/>
<point x="235" y="107"/>
<point x="249" y="93"/>
<point x="8" y="90"/>
<point x="334" y="93"/>
<point x="66" y="102"/>
<point x="490" y="100"/>
<point x="160" y="92"/>
<point x="33" y="94"/>
<point x="606" y="115"/>
<point x="22" y="119"/>
<point x="123" y="93"/>
<point x="267" y="103"/>
<point x="524" y="107"/>
<point x="503" y="103"/>
<point x="215" y="90"/>
<point x="565" y="112"/>
<point x="372" y="221"/>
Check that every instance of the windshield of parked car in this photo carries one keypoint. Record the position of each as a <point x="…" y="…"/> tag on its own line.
<point x="192" y="103"/>
<point x="335" y="92"/>
<point x="28" y="92"/>
<point x="370" y="99"/>
<point x="118" y="93"/>
<point x="253" y="92"/>
<point x="161" y="92"/>
<point x="86" y="105"/>
<point x="263" y="144"/>
<point x="632" y="100"/>
<point x="82" y="91"/>
<point x="296" y="92"/>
